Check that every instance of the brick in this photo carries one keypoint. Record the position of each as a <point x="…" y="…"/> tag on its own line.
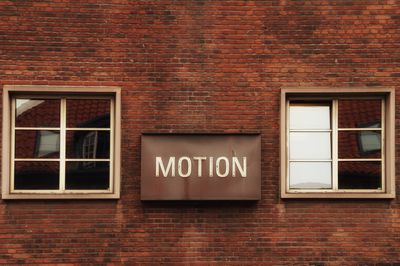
<point x="200" y="66"/>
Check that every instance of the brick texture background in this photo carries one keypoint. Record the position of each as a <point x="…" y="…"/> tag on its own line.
<point x="201" y="66"/>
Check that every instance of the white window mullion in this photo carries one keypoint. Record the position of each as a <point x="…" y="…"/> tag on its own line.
<point x="287" y="148"/>
<point x="87" y="129"/>
<point x="37" y="128"/>
<point x="63" y="124"/>
<point x="87" y="160"/>
<point x="335" y="156"/>
<point x="111" y="165"/>
<point x="12" y="166"/>
<point x="36" y="160"/>
<point x="383" y="148"/>
<point x="360" y="160"/>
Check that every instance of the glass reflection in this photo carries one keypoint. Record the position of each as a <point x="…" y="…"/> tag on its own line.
<point x="360" y="175"/>
<point x="87" y="175"/>
<point x="37" y="144"/>
<point x="310" y="175"/>
<point x="310" y="145"/>
<point x="37" y="113"/>
<point x="359" y="144"/>
<point x="359" y="113"/>
<point x="36" y="175"/>
<point x="309" y="116"/>
<point x="88" y="144"/>
<point x="88" y="113"/>
<point x="370" y="141"/>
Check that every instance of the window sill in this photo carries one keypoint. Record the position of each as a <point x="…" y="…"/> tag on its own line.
<point x="335" y="195"/>
<point x="14" y="196"/>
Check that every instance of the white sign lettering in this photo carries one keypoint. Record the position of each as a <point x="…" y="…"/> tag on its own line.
<point x="221" y="166"/>
<point x="171" y="165"/>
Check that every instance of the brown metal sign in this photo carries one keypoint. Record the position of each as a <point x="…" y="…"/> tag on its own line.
<point x="201" y="167"/>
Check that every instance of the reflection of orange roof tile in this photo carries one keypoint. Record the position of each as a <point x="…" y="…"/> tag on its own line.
<point x="81" y="111"/>
<point x="47" y="113"/>
<point x="356" y="113"/>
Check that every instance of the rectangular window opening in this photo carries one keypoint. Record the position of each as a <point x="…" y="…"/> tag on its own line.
<point x="336" y="144"/>
<point x="62" y="145"/>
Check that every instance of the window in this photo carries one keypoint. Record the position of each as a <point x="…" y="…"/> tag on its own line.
<point x="337" y="143"/>
<point x="61" y="142"/>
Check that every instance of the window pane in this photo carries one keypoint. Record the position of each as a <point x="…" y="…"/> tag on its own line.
<point x="88" y="144"/>
<point x="37" y="113"/>
<point x="310" y="175"/>
<point x="88" y="113"/>
<point x="359" y="113"/>
<point x="36" y="175"/>
<point x="310" y="145"/>
<point x="87" y="175"/>
<point x="309" y="117"/>
<point x="360" y="175"/>
<point x="359" y="144"/>
<point x="37" y="144"/>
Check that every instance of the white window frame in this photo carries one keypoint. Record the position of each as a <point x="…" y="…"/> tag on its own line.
<point x="388" y="145"/>
<point x="12" y="92"/>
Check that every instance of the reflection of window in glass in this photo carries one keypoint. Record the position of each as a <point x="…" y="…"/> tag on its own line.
<point x="88" y="144"/>
<point x="89" y="148"/>
<point x="48" y="143"/>
<point x="335" y="145"/>
<point x="370" y="141"/>
<point x="33" y="143"/>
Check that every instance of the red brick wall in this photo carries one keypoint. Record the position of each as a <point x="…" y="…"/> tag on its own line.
<point x="200" y="66"/>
